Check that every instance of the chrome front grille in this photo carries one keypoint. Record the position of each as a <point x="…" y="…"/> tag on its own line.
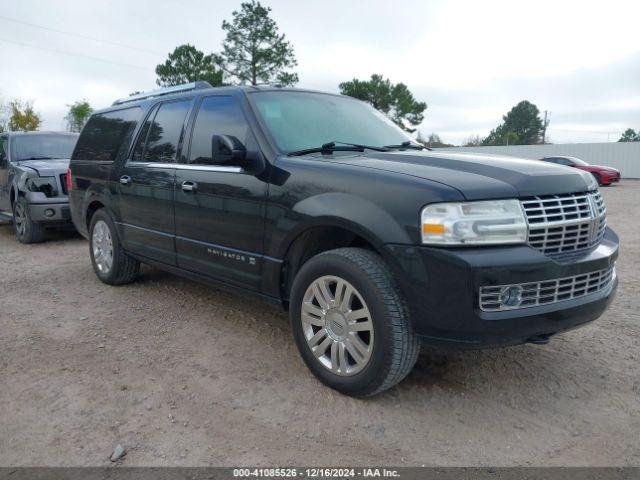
<point x="493" y="298"/>
<point x="565" y="224"/>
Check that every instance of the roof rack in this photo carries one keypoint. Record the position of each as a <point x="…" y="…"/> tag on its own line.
<point x="164" y="91"/>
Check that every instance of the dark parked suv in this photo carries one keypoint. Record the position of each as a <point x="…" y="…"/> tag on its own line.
<point x="321" y="203"/>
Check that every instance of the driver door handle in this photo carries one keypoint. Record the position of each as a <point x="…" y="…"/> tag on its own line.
<point x="125" y="180"/>
<point x="189" y="186"/>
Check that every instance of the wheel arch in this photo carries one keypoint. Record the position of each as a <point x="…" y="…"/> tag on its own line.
<point x="325" y="222"/>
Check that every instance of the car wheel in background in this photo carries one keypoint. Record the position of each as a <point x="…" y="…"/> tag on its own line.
<point x="110" y="262"/>
<point x="350" y="322"/>
<point x="26" y="230"/>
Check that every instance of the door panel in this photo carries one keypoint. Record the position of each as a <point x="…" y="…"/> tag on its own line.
<point x="219" y="226"/>
<point x="146" y="210"/>
<point x="146" y="184"/>
<point x="220" y="214"/>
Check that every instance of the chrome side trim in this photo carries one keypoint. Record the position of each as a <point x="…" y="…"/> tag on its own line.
<point x="201" y="168"/>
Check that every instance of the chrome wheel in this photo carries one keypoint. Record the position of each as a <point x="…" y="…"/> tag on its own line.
<point x="337" y="325"/>
<point x="102" y="246"/>
<point x="20" y="219"/>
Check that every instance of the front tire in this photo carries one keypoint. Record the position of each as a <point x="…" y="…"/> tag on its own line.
<point x="110" y="262"/>
<point x="350" y="322"/>
<point x="26" y="230"/>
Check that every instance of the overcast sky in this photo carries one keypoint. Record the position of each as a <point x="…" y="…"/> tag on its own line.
<point x="470" y="61"/>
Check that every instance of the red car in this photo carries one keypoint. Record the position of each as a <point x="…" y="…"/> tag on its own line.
<point x="604" y="175"/>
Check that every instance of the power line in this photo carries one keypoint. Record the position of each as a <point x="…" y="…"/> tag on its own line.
<point x="62" y="52"/>
<point x="78" y="35"/>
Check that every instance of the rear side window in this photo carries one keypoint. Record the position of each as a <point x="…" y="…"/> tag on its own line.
<point x="138" y="150"/>
<point x="216" y="116"/>
<point x="162" y="133"/>
<point x="103" y="136"/>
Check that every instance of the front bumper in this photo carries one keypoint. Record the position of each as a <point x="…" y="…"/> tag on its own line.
<point x="52" y="213"/>
<point x="442" y="286"/>
<point x="610" y="177"/>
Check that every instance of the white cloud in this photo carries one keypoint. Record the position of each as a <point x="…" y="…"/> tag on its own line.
<point x="471" y="61"/>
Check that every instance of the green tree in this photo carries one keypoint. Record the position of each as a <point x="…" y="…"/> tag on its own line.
<point x="79" y="113"/>
<point x="254" y="51"/>
<point x="630" y="135"/>
<point x="188" y="64"/>
<point x="22" y="116"/>
<point x="396" y="101"/>
<point x="521" y="126"/>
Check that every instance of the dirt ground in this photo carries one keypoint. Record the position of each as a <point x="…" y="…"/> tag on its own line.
<point x="183" y="374"/>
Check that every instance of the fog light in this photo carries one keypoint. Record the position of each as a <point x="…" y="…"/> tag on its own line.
<point x="49" y="212"/>
<point x="511" y="296"/>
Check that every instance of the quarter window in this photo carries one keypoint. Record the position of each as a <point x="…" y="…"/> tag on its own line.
<point x="104" y="135"/>
<point x="217" y="116"/>
<point x="165" y="132"/>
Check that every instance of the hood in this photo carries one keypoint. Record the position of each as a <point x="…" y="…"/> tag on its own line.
<point x="479" y="176"/>
<point x="46" y="168"/>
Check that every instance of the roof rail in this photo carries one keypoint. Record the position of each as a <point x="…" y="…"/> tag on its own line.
<point x="164" y="91"/>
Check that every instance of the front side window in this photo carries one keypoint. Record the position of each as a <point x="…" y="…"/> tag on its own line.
<point x="300" y="120"/>
<point x="165" y="132"/>
<point x="216" y="116"/>
<point x="105" y="134"/>
<point x="44" y="146"/>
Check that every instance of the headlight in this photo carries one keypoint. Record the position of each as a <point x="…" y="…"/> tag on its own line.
<point x="46" y="185"/>
<point x="474" y="223"/>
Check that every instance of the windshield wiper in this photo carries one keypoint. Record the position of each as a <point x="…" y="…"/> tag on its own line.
<point x="330" y="147"/>
<point x="408" y="145"/>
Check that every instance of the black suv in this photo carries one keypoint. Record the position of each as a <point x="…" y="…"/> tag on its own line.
<point x="321" y="203"/>
<point x="33" y="181"/>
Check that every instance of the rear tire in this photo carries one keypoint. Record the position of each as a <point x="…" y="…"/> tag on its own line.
<point x="354" y="333"/>
<point x="26" y="230"/>
<point x="110" y="262"/>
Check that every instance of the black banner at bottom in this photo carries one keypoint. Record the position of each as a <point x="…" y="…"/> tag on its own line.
<point x="118" y="472"/>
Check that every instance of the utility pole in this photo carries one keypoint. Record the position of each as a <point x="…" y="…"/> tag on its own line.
<point x="544" y="128"/>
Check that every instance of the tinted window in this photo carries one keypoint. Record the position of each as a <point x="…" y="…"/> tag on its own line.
<point x="565" y="161"/>
<point x="216" y="116"/>
<point x="138" y="150"/>
<point x="103" y="136"/>
<point x="165" y="132"/>
<point x="42" y="146"/>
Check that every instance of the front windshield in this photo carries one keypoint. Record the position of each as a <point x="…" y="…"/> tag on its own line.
<point x="42" y="146"/>
<point x="577" y="161"/>
<point x="301" y="120"/>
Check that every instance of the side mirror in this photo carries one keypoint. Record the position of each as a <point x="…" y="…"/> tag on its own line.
<point x="227" y="149"/>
